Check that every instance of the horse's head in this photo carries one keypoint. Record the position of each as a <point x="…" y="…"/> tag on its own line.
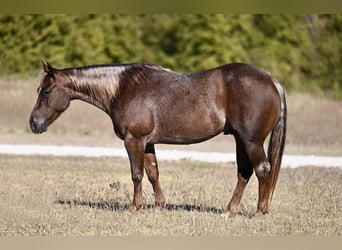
<point x="52" y="100"/>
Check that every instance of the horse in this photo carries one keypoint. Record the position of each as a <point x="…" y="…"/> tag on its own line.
<point x="149" y="104"/>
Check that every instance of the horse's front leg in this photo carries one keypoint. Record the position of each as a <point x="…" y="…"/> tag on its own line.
<point x="135" y="149"/>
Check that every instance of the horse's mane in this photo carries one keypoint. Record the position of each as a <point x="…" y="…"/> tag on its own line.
<point x="108" y="76"/>
<point x="140" y="72"/>
<point x="137" y="72"/>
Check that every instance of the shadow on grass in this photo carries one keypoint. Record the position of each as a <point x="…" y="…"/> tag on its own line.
<point x="116" y="206"/>
<point x="192" y="207"/>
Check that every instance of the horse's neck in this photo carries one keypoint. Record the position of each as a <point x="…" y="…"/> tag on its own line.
<point x="97" y="85"/>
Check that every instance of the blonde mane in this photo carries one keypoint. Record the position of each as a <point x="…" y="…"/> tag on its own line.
<point x="99" y="81"/>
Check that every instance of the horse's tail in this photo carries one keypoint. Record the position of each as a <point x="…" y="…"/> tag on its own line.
<point x="277" y="141"/>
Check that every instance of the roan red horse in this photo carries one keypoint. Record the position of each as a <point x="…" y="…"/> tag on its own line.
<point x="149" y="104"/>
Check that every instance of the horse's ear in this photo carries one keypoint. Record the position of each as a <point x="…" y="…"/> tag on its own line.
<point x="48" y="68"/>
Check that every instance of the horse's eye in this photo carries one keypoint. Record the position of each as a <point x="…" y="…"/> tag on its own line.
<point x="46" y="92"/>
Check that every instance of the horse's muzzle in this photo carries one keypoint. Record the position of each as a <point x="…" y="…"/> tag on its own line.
<point x="38" y="125"/>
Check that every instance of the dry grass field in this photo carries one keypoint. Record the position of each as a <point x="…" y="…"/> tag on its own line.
<point x="89" y="196"/>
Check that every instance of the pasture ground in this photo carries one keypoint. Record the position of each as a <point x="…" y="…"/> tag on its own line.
<point x="89" y="196"/>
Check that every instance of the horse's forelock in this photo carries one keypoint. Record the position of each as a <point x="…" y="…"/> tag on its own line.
<point x="44" y="81"/>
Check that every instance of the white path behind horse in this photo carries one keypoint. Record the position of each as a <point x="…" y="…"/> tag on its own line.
<point x="288" y="160"/>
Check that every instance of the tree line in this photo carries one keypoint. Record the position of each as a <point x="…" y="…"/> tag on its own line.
<point x="304" y="52"/>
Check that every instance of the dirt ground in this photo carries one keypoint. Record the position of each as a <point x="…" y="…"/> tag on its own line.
<point x="314" y="124"/>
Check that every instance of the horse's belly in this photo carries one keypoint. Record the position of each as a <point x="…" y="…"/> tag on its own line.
<point x="184" y="139"/>
<point x="190" y="128"/>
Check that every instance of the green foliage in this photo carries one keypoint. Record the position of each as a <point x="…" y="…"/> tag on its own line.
<point x="303" y="51"/>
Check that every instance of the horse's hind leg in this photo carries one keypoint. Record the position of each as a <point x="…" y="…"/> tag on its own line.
<point x="245" y="171"/>
<point x="262" y="167"/>
<point x="151" y="168"/>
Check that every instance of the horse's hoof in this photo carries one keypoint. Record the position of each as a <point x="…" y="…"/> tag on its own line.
<point x="159" y="208"/>
<point x="259" y="214"/>
<point x="228" y="214"/>
<point x="133" y="209"/>
<point x="160" y="205"/>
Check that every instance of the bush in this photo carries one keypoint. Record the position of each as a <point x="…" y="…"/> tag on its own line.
<point x="302" y="51"/>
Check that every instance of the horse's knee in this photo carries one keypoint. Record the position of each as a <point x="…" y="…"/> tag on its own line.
<point x="263" y="170"/>
<point x="137" y="176"/>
